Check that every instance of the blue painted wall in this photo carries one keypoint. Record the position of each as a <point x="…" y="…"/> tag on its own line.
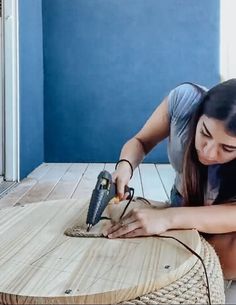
<point x="108" y="64"/>
<point x="31" y="86"/>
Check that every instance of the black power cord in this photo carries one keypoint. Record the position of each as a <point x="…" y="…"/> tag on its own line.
<point x="128" y="203"/>
<point x="176" y="239"/>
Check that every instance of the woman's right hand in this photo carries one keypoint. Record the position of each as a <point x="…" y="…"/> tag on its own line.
<point x="121" y="176"/>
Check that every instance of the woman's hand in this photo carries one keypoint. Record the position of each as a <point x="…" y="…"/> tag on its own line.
<point x="122" y="177"/>
<point x="142" y="222"/>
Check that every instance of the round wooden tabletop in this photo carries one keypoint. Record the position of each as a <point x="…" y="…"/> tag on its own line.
<point x="40" y="265"/>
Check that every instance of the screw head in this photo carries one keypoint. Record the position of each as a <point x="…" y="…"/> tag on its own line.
<point x="68" y="291"/>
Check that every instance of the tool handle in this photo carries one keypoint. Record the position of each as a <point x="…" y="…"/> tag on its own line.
<point x="114" y="191"/>
<point x="127" y="190"/>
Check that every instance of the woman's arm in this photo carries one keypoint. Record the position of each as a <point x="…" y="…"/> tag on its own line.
<point x="211" y="219"/>
<point x="154" y="131"/>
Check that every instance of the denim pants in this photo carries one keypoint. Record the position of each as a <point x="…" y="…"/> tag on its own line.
<point x="176" y="199"/>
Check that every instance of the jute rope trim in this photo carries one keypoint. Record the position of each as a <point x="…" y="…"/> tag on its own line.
<point x="78" y="231"/>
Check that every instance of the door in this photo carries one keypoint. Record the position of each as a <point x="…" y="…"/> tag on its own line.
<point x="10" y="54"/>
<point x="6" y="107"/>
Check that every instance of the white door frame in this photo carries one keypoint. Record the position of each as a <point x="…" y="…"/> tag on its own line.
<point x="2" y="150"/>
<point x="11" y="92"/>
<point x="227" y="41"/>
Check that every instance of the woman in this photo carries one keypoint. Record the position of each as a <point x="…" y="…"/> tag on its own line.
<point x="201" y="126"/>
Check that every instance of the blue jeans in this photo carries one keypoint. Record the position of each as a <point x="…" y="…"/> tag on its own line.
<point x="176" y="199"/>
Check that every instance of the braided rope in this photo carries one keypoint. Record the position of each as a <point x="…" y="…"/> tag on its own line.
<point x="191" y="288"/>
<point x="78" y="231"/>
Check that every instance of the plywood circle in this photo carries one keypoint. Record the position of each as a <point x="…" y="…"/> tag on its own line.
<point x="40" y="265"/>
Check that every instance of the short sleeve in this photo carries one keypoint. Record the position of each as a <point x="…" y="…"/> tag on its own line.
<point x="182" y="100"/>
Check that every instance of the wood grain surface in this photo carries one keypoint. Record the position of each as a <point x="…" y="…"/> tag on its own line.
<point x="40" y="265"/>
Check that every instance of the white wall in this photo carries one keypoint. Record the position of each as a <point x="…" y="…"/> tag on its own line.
<point x="228" y="39"/>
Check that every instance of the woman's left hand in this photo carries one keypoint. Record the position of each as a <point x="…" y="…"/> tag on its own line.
<point x="142" y="222"/>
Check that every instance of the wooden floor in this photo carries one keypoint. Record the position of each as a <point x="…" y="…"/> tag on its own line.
<point x="77" y="180"/>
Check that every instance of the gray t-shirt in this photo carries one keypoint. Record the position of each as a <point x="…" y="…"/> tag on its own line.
<point x="182" y="103"/>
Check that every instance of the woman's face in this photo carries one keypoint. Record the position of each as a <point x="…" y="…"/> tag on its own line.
<point x="213" y="144"/>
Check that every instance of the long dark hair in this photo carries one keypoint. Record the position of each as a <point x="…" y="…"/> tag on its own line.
<point x="217" y="103"/>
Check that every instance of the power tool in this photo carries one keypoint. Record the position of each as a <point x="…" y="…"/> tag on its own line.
<point x="105" y="190"/>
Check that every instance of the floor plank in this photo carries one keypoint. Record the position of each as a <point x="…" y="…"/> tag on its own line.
<point x="167" y="176"/>
<point x="231" y="294"/>
<point x="68" y="182"/>
<point x="40" y="171"/>
<point x="88" y="182"/>
<point x="46" y="184"/>
<point x="136" y="183"/>
<point x="17" y="193"/>
<point x="151" y="182"/>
